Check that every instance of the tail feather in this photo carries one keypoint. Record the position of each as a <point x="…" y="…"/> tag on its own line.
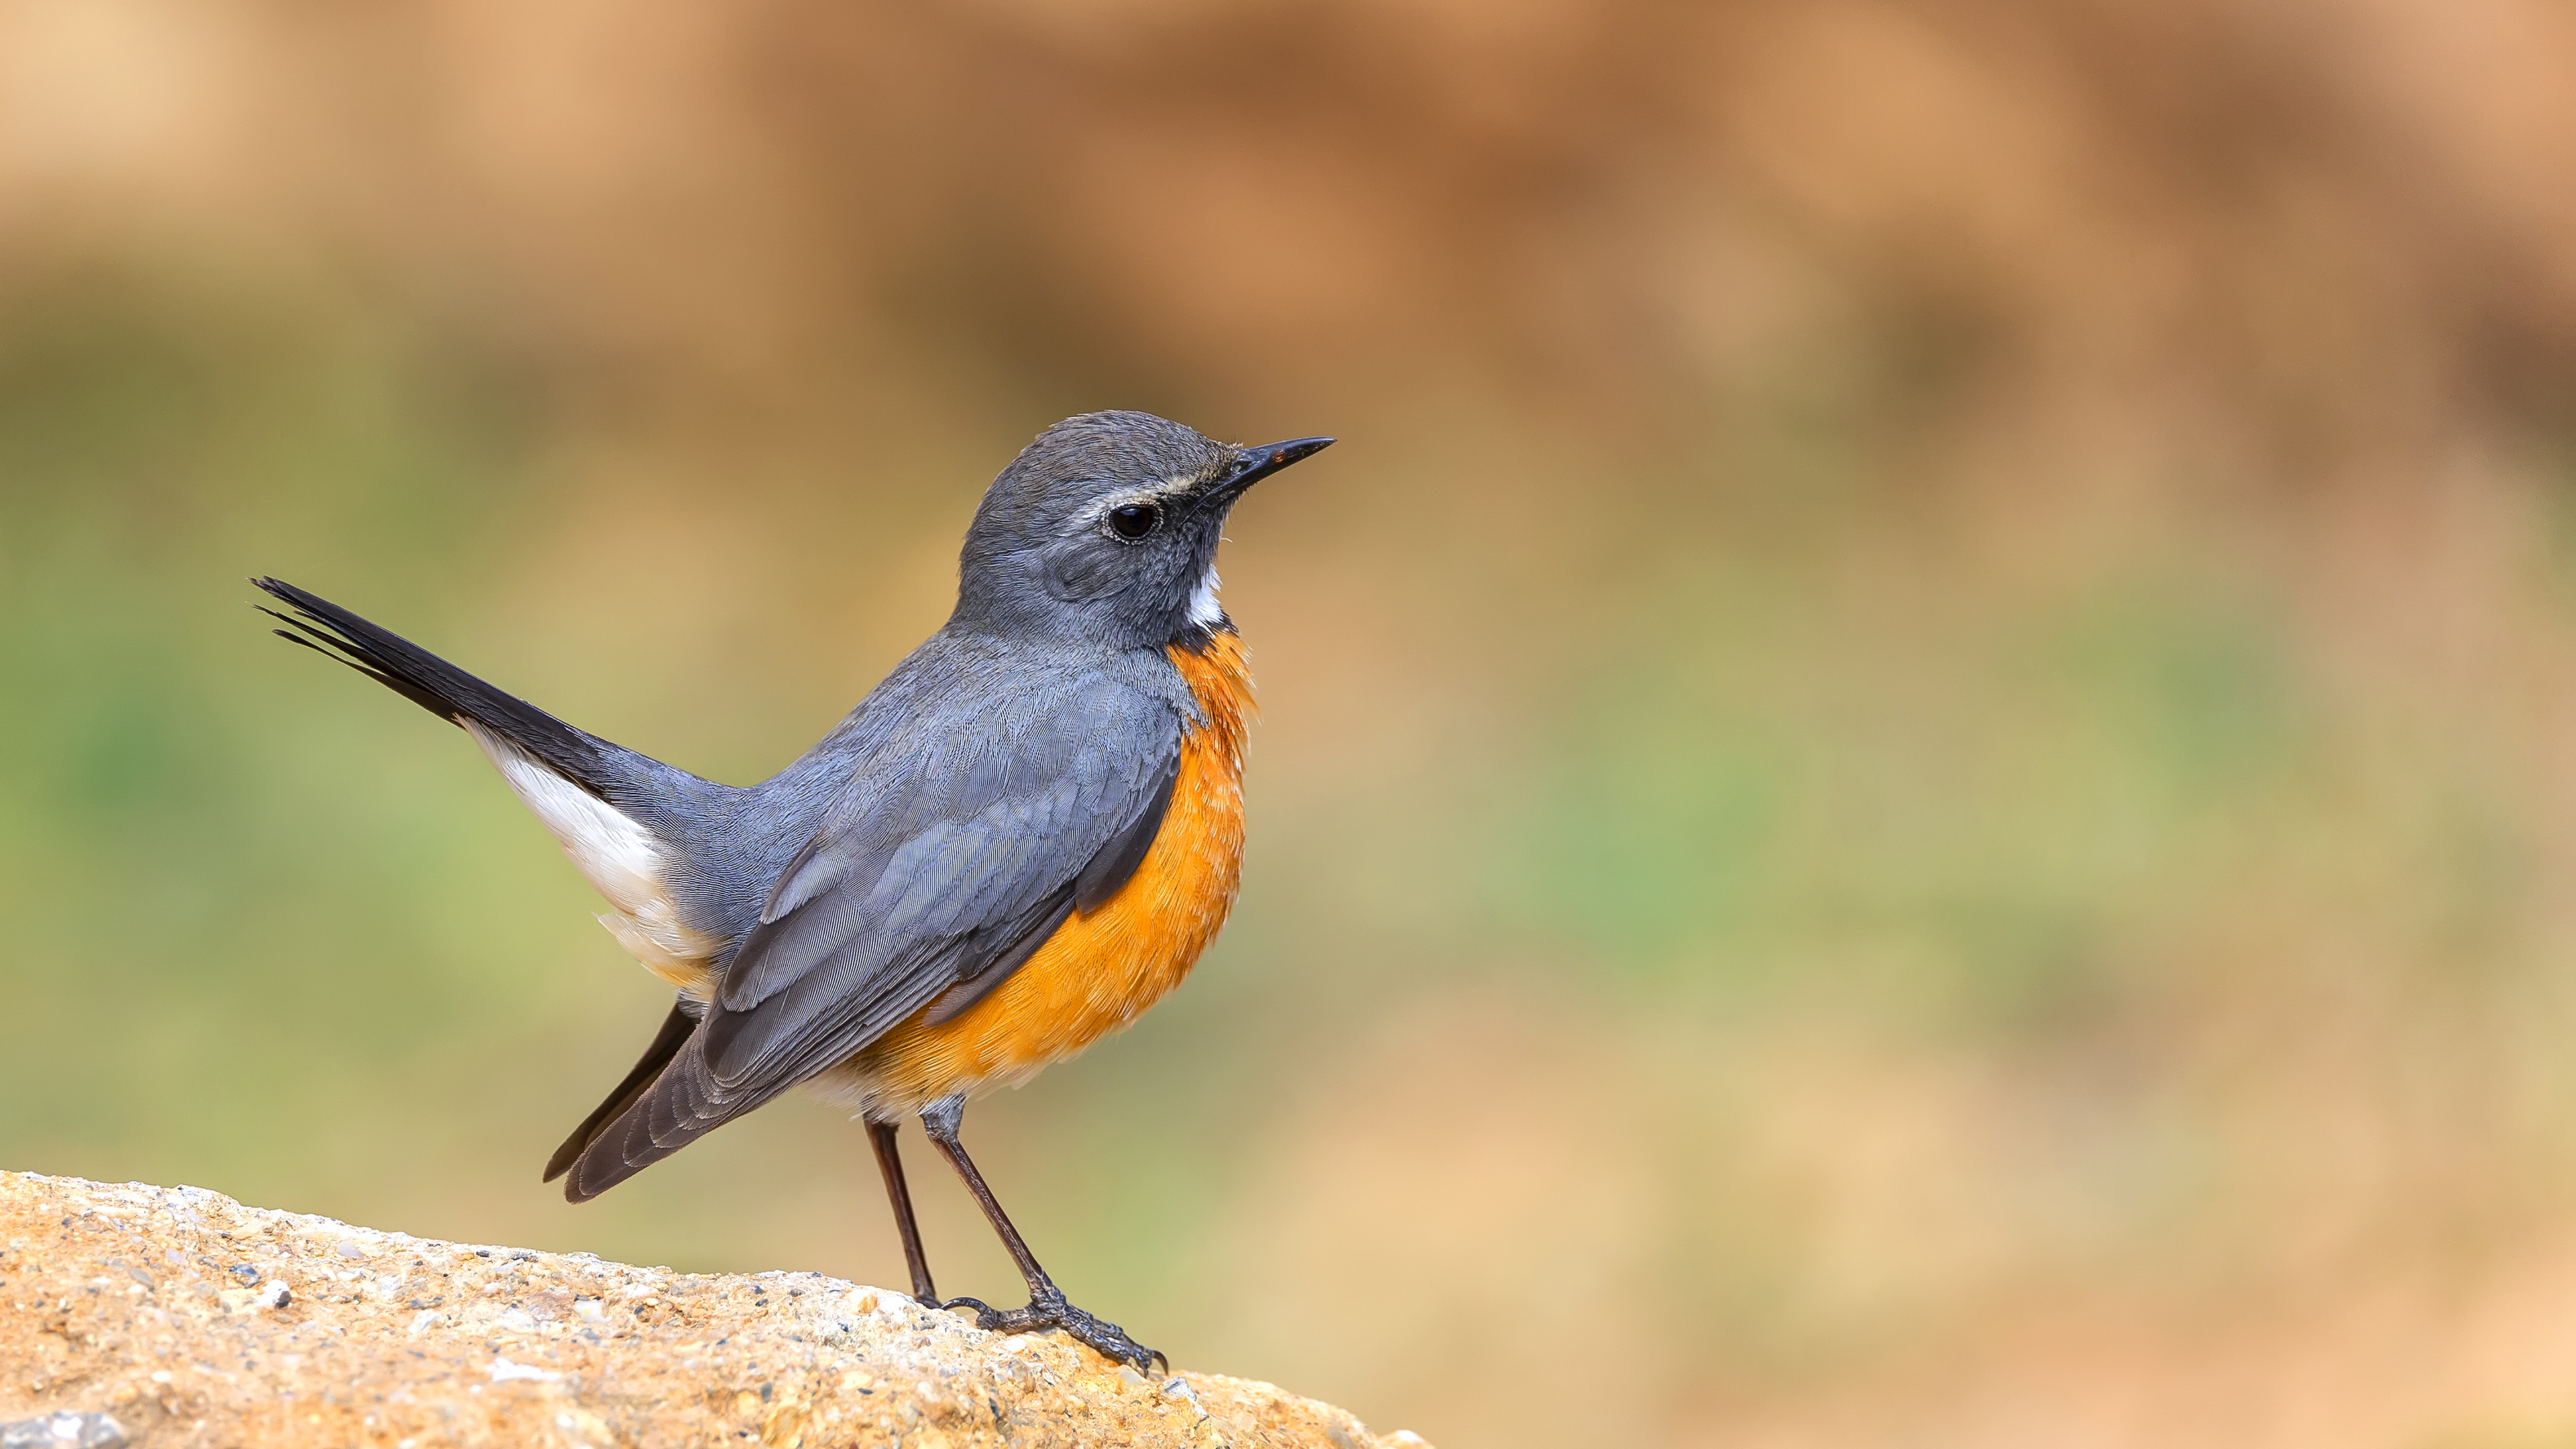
<point x="679" y="1106"/>
<point x="436" y="685"/>
<point x="648" y="1068"/>
<point x="669" y="1098"/>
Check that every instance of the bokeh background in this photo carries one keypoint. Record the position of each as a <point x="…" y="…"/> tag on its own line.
<point x="1919" y="772"/>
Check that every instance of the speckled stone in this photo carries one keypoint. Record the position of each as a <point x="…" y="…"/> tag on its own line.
<point x="190" y="1320"/>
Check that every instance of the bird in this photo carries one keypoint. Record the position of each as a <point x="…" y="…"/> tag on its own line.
<point x="1021" y="838"/>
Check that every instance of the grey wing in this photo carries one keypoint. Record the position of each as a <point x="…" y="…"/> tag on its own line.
<point x="948" y="861"/>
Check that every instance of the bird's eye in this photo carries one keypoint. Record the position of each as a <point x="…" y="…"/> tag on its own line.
<point x="1135" y="520"/>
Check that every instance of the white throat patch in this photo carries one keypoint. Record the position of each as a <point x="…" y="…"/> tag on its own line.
<point x="1204" y="609"/>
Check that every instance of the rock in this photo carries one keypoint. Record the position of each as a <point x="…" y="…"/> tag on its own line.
<point x="63" y="1431"/>
<point x="177" y="1317"/>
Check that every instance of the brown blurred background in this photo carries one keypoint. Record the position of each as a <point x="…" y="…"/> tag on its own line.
<point x="1919" y="781"/>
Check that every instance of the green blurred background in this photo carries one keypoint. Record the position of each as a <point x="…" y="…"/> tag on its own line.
<point x="1918" y="782"/>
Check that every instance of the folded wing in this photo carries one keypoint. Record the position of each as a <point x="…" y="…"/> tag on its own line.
<point x="957" y="850"/>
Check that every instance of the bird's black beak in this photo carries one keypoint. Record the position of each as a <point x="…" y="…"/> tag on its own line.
<point x="1254" y="464"/>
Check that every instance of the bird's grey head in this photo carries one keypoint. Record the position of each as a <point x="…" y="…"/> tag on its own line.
<point x="1105" y="529"/>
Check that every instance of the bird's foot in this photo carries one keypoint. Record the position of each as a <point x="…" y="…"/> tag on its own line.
<point x="1049" y="1310"/>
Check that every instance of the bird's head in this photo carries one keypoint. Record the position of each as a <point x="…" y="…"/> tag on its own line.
<point x="1105" y="529"/>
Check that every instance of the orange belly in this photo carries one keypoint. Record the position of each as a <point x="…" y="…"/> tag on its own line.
<point x="1103" y="966"/>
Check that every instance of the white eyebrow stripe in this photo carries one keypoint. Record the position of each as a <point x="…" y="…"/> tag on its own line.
<point x="1163" y="489"/>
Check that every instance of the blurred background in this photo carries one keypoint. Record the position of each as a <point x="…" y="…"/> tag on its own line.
<point x="1919" y="772"/>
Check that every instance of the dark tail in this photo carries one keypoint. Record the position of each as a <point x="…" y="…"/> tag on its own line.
<point x="436" y="685"/>
<point x="680" y="1105"/>
<point x="664" y="1103"/>
<point x="648" y="1069"/>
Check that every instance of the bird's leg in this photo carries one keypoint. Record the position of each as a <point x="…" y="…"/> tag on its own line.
<point x="1047" y="1307"/>
<point x="889" y="1162"/>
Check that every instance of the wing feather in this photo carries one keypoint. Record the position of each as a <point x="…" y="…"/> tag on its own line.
<point x="939" y="864"/>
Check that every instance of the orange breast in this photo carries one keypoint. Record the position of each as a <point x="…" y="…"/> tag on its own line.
<point x="1103" y="966"/>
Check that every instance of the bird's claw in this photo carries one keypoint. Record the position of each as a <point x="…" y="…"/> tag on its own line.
<point x="1050" y="1310"/>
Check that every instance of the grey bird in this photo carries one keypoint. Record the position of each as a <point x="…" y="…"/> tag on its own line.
<point x="1020" y="839"/>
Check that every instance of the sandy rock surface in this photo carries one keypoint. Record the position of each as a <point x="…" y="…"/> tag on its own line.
<point x="177" y="1317"/>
